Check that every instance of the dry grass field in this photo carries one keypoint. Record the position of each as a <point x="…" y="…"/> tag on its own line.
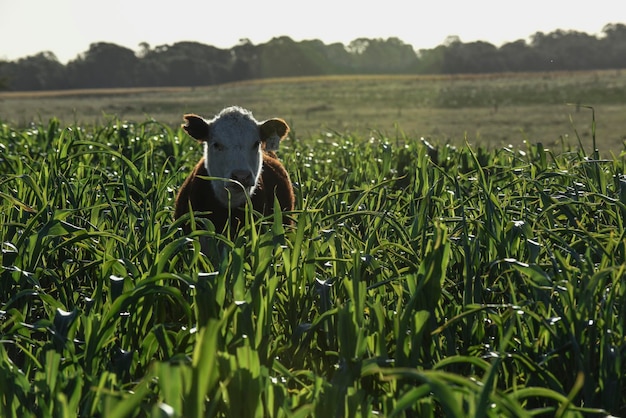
<point x="489" y="110"/>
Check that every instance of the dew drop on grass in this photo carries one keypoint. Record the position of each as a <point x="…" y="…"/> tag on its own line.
<point x="63" y="313"/>
<point x="554" y="320"/>
<point x="192" y="330"/>
<point x="8" y="247"/>
<point x="207" y="275"/>
<point x="322" y="282"/>
<point x="167" y="410"/>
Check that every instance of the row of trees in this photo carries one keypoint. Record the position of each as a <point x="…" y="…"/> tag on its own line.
<point x="195" y="64"/>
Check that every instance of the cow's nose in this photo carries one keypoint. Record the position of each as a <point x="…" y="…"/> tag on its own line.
<point x="244" y="177"/>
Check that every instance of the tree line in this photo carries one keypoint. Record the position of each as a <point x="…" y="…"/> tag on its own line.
<point x="195" y="64"/>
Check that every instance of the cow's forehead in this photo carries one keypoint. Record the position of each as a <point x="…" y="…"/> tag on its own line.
<point x="235" y="127"/>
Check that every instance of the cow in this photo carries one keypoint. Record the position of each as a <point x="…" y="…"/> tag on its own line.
<point x="239" y="155"/>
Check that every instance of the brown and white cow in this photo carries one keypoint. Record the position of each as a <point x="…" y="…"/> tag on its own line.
<point x="240" y="151"/>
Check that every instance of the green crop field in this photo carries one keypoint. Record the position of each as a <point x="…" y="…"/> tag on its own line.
<point x="419" y="279"/>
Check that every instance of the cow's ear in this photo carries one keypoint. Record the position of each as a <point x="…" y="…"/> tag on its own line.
<point x="272" y="131"/>
<point x="196" y="127"/>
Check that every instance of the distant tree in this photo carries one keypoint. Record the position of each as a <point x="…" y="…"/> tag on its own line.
<point x="283" y="57"/>
<point x="383" y="56"/>
<point x="104" y="65"/>
<point x="431" y="60"/>
<point x="517" y="56"/>
<point x="4" y="84"/>
<point x="187" y="64"/>
<point x="613" y="45"/>
<point x="144" y="50"/>
<point x="358" y="46"/>
<point x="151" y="69"/>
<point x="338" y="55"/>
<point x="331" y="60"/>
<point x="580" y="51"/>
<point x="194" y="64"/>
<point x="473" y="57"/>
<point x="567" y="50"/>
<point x="42" y="71"/>
<point x="246" y="61"/>
<point x="546" y="53"/>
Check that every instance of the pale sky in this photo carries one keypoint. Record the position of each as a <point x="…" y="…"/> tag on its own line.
<point x="68" y="27"/>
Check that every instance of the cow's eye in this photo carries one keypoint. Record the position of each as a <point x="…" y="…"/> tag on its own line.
<point x="217" y="146"/>
<point x="256" y="145"/>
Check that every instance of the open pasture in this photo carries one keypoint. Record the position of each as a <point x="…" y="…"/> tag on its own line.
<point x="490" y="110"/>
<point x="456" y="282"/>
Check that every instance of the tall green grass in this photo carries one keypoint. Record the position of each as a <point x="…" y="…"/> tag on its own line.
<point x="414" y="282"/>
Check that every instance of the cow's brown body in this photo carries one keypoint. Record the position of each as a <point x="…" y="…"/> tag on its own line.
<point x="237" y="147"/>
<point x="274" y="181"/>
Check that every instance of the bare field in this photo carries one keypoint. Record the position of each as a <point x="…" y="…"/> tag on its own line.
<point x="490" y="110"/>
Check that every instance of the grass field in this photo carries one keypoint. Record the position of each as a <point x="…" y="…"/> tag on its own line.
<point x="417" y="280"/>
<point x="490" y="110"/>
<point x="457" y="282"/>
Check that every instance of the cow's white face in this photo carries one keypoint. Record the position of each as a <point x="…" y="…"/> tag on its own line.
<point x="233" y="149"/>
